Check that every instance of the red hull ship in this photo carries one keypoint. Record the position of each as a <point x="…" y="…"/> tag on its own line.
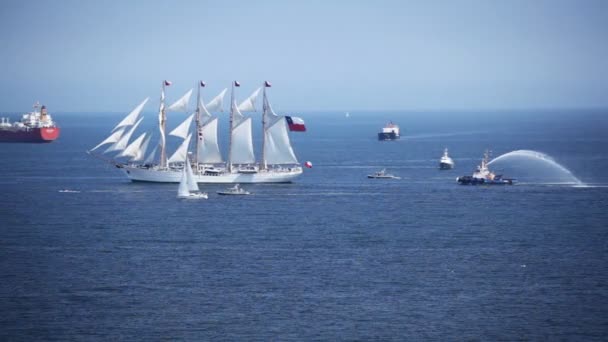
<point x="34" y="127"/>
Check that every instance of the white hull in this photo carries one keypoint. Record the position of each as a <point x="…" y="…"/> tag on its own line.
<point x="174" y="176"/>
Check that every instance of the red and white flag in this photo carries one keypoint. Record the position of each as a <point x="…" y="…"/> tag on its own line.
<point x="167" y="83"/>
<point x="308" y="164"/>
<point x="237" y="84"/>
<point x="267" y="84"/>
<point x="295" y="124"/>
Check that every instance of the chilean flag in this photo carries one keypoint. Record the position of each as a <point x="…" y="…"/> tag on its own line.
<point x="167" y="83"/>
<point x="267" y="84"/>
<point x="237" y="84"/>
<point x="295" y="124"/>
<point x="308" y="164"/>
<point x="203" y="84"/>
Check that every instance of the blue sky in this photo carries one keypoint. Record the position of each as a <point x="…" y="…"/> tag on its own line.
<point x="319" y="55"/>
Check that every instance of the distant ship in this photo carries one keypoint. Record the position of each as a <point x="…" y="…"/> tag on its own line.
<point x="483" y="176"/>
<point x="34" y="127"/>
<point x="382" y="174"/>
<point x="277" y="164"/>
<point x="389" y="132"/>
<point x="446" y="163"/>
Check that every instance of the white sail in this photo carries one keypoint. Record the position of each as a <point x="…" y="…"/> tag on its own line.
<point x="277" y="147"/>
<point x="241" y="151"/>
<point x="124" y="140"/>
<point x="163" y="139"/>
<point x="181" y="105"/>
<point x="133" y="148"/>
<point x="182" y="151"/>
<point x="183" y="129"/>
<point x="217" y="104"/>
<point x="141" y="151"/>
<point x="131" y="118"/>
<point x="150" y="158"/>
<point x="114" y="137"/>
<point x="248" y="105"/>
<point x="192" y="186"/>
<point x="208" y="149"/>
<point x="182" y="190"/>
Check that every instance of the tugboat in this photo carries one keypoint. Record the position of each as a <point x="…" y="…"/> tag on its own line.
<point x="446" y="163"/>
<point x="235" y="190"/>
<point x="389" y="132"/>
<point x="382" y="175"/>
<point x="483" y="176"/>
<point x="34" y="127"/>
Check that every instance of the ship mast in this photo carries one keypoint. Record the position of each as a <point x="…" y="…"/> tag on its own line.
<point x="232" y="105"/>
<point x="162" y="120"/>
<point x="264" y="109"/>
<point x="199" y="133"/>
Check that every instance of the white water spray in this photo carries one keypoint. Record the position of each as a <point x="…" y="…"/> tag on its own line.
<point x="533" y="160"/>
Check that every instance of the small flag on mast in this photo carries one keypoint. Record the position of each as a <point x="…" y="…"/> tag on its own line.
<point x="167" y="83"/>
<point x="308" y="164"/>
<point x="267" y="84"/>
<point x="203" y="84"/>
<point x="237" y="84"/>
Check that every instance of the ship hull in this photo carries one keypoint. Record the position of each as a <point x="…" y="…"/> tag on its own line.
<point x="468" y="180"/>
<point x="388" y="136"/>
<point x="32" y="135"/>
<point x="137" y="174"/>
<point x="446" y="166"/>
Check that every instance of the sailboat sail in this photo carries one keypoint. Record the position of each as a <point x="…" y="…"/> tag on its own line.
<point x="141" y="151"/>
<point x="183" y="129"/>
<point x="181" y="105"/>
<point x="192" y="186"/>
<point x="217" y="104"/>
<point x="182" y="151"/>
<point x="182" y="190"/>
<point x="208" y="149"/>
<point x="114" y="137"/>
<point x="248" y="105"/>
<point x="131" y="118"/>
<point x="133" y="148"/>
<point x="241" y="149"/>
<point x="151" y="156"/>
<point x="277" y="147"/>
<point x="124" y="140"/>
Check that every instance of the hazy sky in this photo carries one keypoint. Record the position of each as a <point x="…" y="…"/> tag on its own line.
<point x="319" y="55"/>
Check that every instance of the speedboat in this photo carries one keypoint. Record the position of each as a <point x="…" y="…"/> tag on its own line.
<point x="446" y="163"/>
<point x="382" y="174"/>
<point x="483" y="176"/>
<point x="235" y="190"/>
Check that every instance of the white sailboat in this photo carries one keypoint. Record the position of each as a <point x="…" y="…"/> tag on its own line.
<point x="188" y="188"/>
<point x="278" y="163"/>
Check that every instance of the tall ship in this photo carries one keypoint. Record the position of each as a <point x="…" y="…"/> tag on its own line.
<point x="389" y="132"/>
<point x="35" y="127"/>
<point x="483" y="175"/>
<point x="277" y="163"/>
<point x="446" y="163"/>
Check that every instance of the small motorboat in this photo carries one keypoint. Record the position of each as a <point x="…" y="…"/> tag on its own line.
<point x="382" y="174"/>
<point x="235" y="190"/>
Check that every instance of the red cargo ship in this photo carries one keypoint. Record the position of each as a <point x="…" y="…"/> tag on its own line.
<point x="34" y="127"/>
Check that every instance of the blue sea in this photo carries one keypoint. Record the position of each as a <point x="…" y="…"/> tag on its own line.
<point x="332" y="256"/>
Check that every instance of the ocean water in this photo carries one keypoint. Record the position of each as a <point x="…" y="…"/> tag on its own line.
<point x="332" y="256"/>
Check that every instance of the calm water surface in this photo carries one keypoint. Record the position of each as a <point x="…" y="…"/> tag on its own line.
<point x="333" y="256"/>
